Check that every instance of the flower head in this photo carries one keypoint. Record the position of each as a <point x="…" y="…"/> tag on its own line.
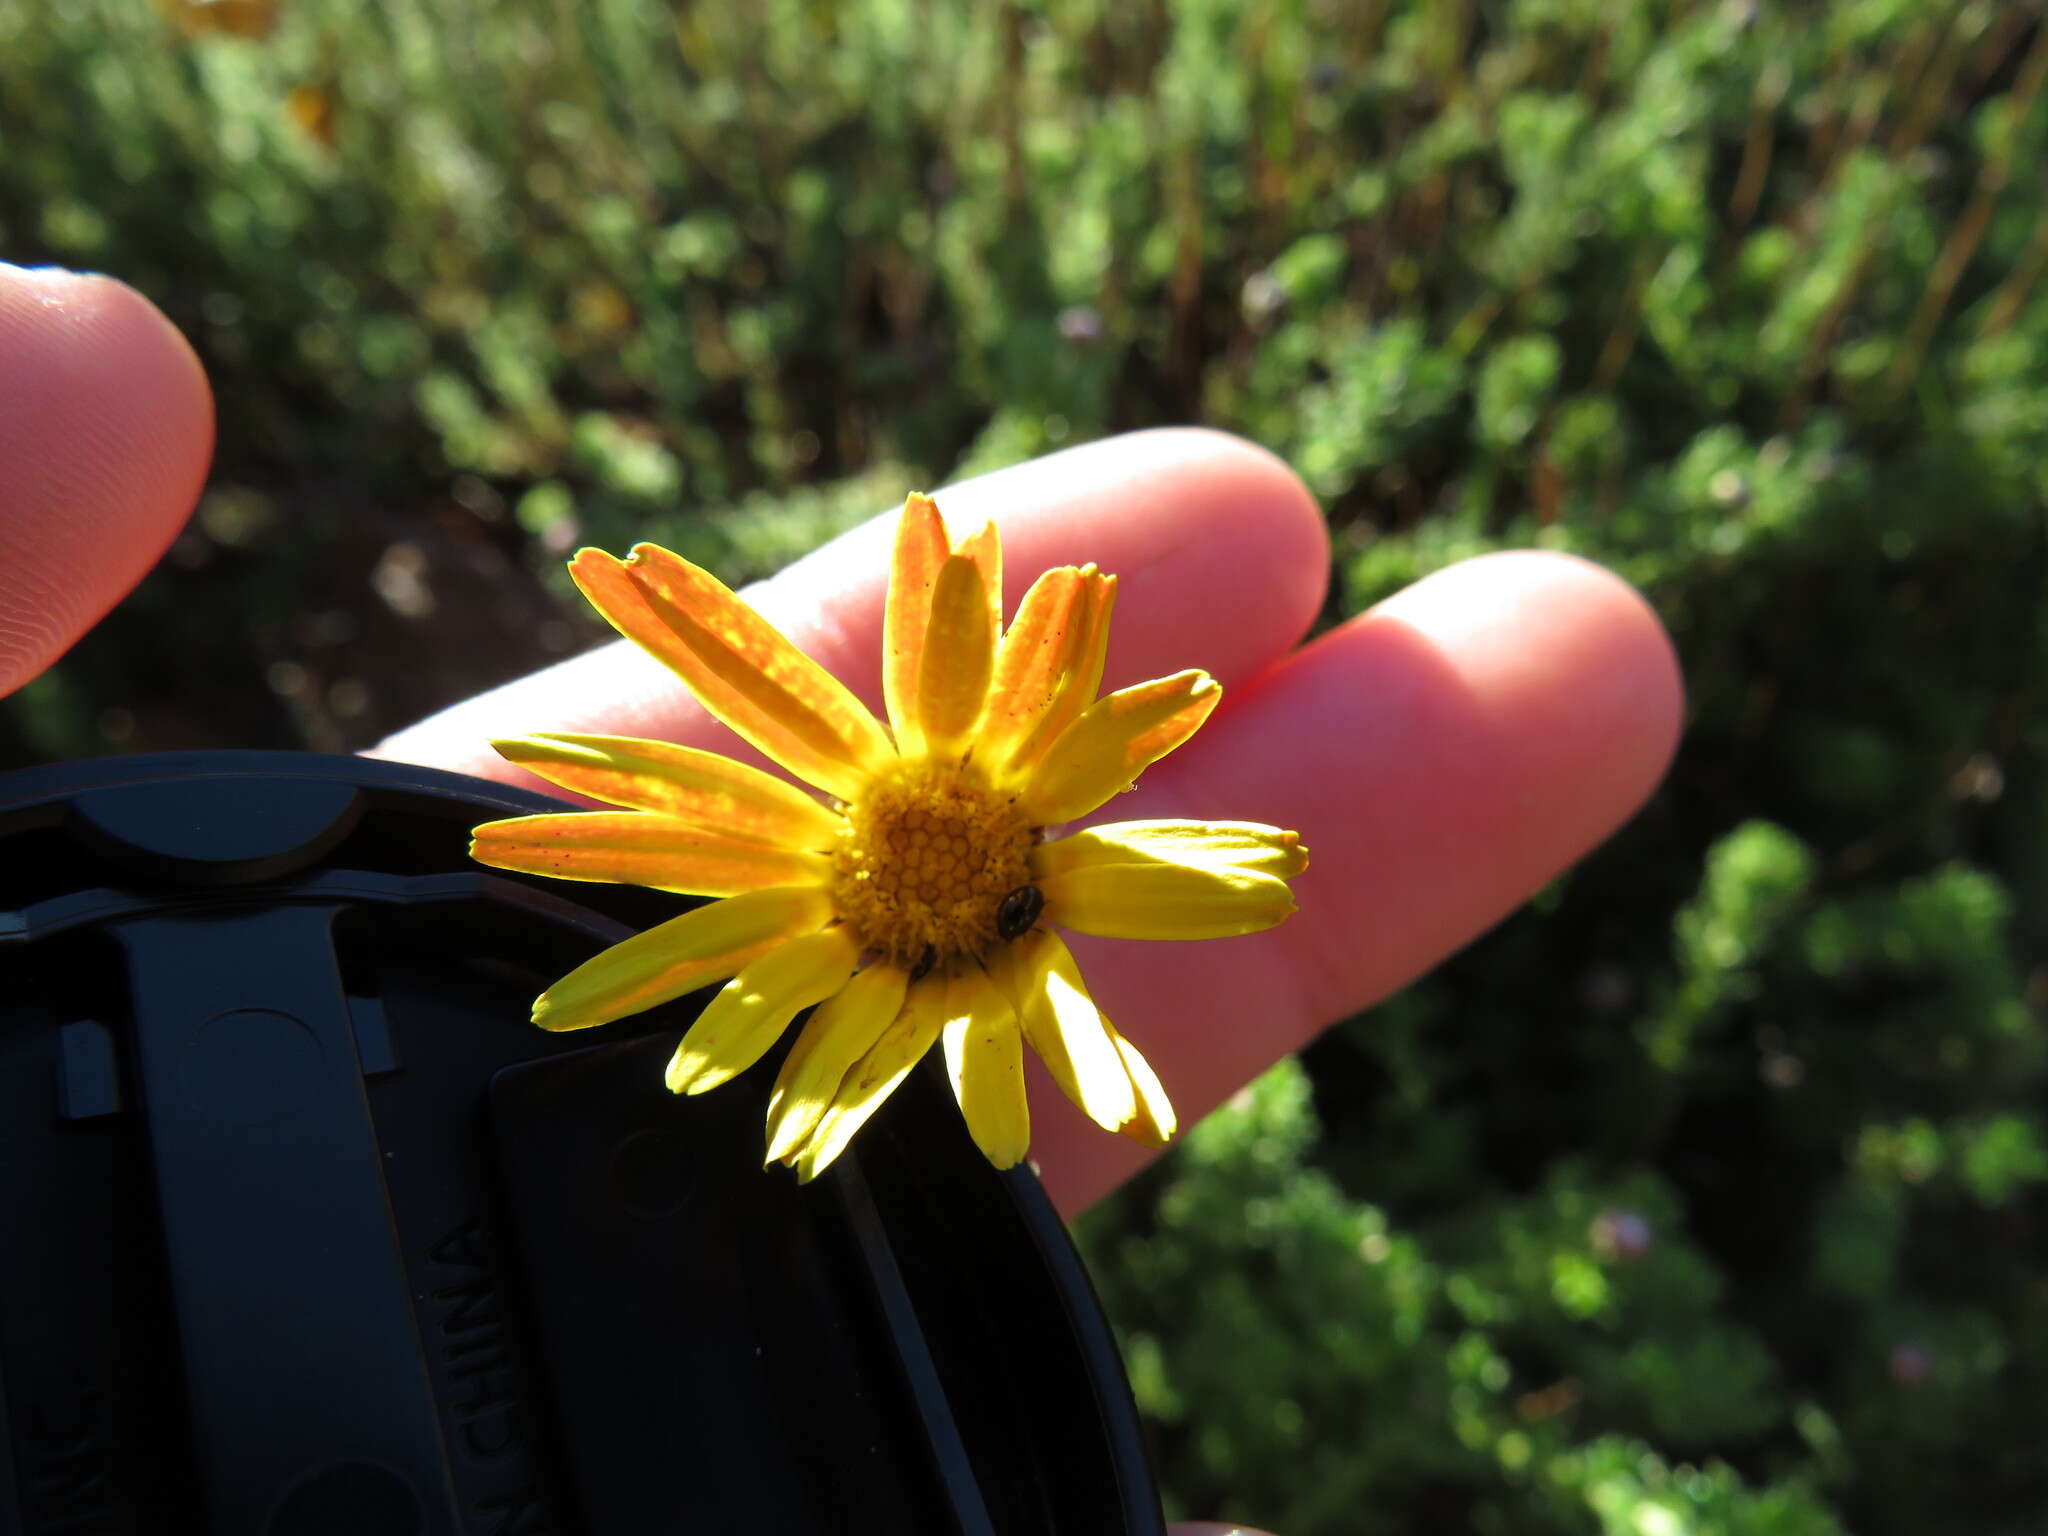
<point x="917" y="902"/>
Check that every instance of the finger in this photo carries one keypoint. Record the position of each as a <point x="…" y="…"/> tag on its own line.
<point x="106" y="426"/>
<point x="1219" y="553"/>
<point x="1442" y="756"/>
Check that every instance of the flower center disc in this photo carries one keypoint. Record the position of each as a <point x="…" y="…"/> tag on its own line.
<point x="927" y="856"/>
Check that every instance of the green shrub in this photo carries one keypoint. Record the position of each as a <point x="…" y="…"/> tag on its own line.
<point x="1706" y="1195"/>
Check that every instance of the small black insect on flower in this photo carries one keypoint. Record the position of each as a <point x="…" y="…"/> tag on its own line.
<point x="1019" y="910"/>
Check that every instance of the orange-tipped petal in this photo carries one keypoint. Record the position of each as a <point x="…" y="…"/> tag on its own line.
<point x="698" y="787"/>
<point x="738" y="665"/>
<point x="1030" y="663"/>
<point x="1116" y="738"/>
<point x="642" y="848"/>
<point x="1154" y="1123"/>
<point x="1034" y="698"/>
<point x="921" y="548"/>
<point x="959" y="651"/>
<point x="680" y="955"/>
<point x="985" y="548"/>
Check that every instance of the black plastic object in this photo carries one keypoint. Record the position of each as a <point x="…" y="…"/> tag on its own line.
<point x="305" y="1231"/>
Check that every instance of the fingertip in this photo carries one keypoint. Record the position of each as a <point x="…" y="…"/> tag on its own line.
<point x="1575" y="650"/>
<point x="1190" y="521"/>
<point x="106" y="429"/>
<point x="1219" y="553"/>
<point x="1447" y="753"/>
<point x="1185" y="520"/>
<point x="1453" y="749"/>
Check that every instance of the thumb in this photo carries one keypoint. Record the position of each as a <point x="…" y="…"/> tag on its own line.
<point x="106" y="426"/>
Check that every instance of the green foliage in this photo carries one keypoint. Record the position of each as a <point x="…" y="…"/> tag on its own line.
<point x="1473" y="1367"/>
<point x="1709" y="1195"/>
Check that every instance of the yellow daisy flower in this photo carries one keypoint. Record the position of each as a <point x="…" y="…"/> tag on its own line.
<point x="917" y="903"/>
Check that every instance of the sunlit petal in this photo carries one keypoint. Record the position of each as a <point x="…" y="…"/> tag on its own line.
<point x="738" y="665"/>
<point x="1154" y="1123"/>
<point x="698" y="787"/>
<point x="1040" y="689"/>
<point x="1030" y="663"/>
<point x="1245" y="845"/>
<point x="870" y="1081"/>
<point x="959" y="651"/>
<point x="985" y="1059"/>
<point x="642" y="848"/>
<point x="840" y="1033"/>
<point x="1062" y="1024"/>
<point x="984" y="547"/>
<point x="1165" y="901"/>
<point x="753" y="1009"/>
<point x="921" y="548"/>
<point x="680" y="955"/>
<point x="1116" y="739"/>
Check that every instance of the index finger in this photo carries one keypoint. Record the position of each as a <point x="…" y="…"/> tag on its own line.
<point x="1220" y="555"/>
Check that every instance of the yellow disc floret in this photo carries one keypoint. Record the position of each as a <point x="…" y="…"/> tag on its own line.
<point x="927" y="856"/>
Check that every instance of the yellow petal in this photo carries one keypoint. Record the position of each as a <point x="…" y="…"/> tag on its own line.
<point x="959" y="649"/>
<point x="1116" y="739"/>
<point x="844" y="1029"/>
<point x="753" y="1009"/>
<point x="1154" y="1123"/>
<point x="921" y="548"/>
<point x="698" y="787"/>
<point x="1048" y="668"/>
<point x="1247" y="845"/>
<point x="680" y="955"/>
<point x="985" y="548"/>
<point x="1062" y="1024"/>
<point x="1027" y="661"/>
<point x="738" y="665"/>
<point x="985" y="1059"/>
<point x="642" y="848"/>
<point x="1165" y="901"/>
<point x="870" y="1081"/>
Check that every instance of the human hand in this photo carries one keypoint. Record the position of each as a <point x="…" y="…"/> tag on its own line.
<point x="1443" y="755"/>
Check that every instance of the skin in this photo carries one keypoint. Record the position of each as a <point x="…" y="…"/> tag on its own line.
<point x="106" y="427"/>
<point x="1443" y="755"/>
